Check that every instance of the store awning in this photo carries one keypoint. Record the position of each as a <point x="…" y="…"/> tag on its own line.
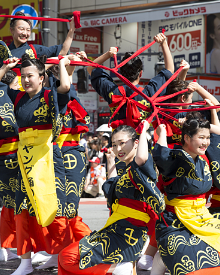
<point x="170" y="12"/>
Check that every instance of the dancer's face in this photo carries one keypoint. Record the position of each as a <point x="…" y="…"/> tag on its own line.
<point x="198" y="143"/>
<point x="124" y="147"/>
<point x="21" y="32"/>
<point x="31" y="80"/>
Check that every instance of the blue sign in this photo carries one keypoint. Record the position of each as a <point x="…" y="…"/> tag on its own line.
<point x="194" y="60"/>
<point x="28" y="11"/>
<point x="177" y="59"/>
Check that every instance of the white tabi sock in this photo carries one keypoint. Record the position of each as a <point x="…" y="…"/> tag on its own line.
<point x="39" y="258"/>
<point x="125" y="268"/>
<point x="24" y="268"/>
<point x="52" y="262"/>
<point x="158" y="267"/>
<point x="6" y="255"/>
<point x="145" y="262"/>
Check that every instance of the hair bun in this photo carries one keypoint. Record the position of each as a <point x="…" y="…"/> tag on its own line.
<point x="194" y="115"/>
<point x="25" y="57"/>
<point x="20" y="13"/>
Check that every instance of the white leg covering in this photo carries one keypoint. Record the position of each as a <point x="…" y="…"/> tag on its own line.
<point x="39" y="258"/>
<point x="52" y="262"/>
<point x="145" y="262"/>
<point x="125" y="268"/>
<point x="7" y="255"/>
<point x="158" y="267"/>
<point x="24" y="268"/>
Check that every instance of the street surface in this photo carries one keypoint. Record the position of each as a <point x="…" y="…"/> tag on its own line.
<point x="94" y="213"/>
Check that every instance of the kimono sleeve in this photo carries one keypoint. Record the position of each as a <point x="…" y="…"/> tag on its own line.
<point x="48" y="51"/>
<point x="156" y="82"/>
<point x="103" y="84"/>
<point x="109" y="190"/>
<point x="213" y="154"/>
<point x="5" y="53"/>
<point x="168" y="161"/>
<point x="7" y="98"/>
<point x="145" y="178"/>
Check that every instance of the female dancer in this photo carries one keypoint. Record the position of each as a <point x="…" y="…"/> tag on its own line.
<point x="133" y="197"/>
<point x="40" y="219"/>
<point x="189" y="238"/>
<point x="9" y="171"/>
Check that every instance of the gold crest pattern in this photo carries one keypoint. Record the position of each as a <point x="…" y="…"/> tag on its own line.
<point x="7" y="112"/>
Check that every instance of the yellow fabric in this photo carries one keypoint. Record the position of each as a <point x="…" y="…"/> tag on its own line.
<point x="197" y="219"/>
<point x="35" y="157"/>
<point x="121" y="212"/>
<point x="19" y="82"/>
<point x="216" y="197"/>
<point x="67" y="137"/>
<point x="9" y="147"/>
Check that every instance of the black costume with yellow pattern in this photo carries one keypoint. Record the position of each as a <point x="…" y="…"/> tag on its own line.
<point x="185" y="236"/>
<point x="122" y="241"/>
<point x="35" y="112"/>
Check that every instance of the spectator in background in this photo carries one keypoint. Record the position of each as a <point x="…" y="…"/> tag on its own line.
<point x="95" y="178"/>
<point x="105" y="143"/>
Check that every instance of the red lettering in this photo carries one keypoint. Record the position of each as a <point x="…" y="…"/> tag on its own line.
<point x="124" y="19"/>
<point x="203" y="9"/>
<point x="112" y="20"/>
<point x="103" y="21"/>
<point x="175" y="13"/>
<point x="120" y="19"/>
<point x="4" y="21"/>
<point x="95" y="22"/>
<point x="191" y="11"/>
<point x="217" y="89"/>
<point x="186" y="12"/>
<point x="107" y="21"/>
<point x="7" y="39"/>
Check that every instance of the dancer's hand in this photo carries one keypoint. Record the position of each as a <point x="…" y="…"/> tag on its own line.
<point x="161" y="129"/>
<point x="160" y="38"/>
<point x="184" y="64"/>
<point x="112" y="51"/>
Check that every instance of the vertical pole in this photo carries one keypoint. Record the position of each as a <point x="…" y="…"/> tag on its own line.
<point x="46" y="29"/>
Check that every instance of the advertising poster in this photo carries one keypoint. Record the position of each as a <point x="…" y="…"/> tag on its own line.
<point x="185" y="40"/>
<point x="212" y="44"/>
<point x="30" y="8"/>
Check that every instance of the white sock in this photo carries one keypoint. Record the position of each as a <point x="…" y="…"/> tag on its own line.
<point x="145" y="262"/>
<point x="158" y="267"/>
<point x="6" y="255"/>
<point x="11" y="255"/>
<point x="39" y="258"/>
<point x="24" y="268"/>
<point x="52" y="262"/>
<point x="125" y="268"/>
<point x="3" y="255"/>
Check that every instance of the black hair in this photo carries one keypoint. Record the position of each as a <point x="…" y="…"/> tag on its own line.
<point x="175" y="86"/>
<point x="194" y="122"/>
<point x="54" y="70"/>
<point x="210" y="30"/>
<point x="106" y="138"/>
<point x="132" y="68"/>
<point x="26" y="61"/>
<point x="14" y="20"/>
<point x="127" y="129"/>
<point x="8" y="77"/>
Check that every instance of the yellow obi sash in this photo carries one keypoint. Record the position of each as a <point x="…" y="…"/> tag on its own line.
<point x="67" y="137"/>
<point x="197" y="219"/>
<point x="216" y="197"/>
<point x="9" y="147"/>
<point x="35" y="157"/>
<point x="121" y="212"/>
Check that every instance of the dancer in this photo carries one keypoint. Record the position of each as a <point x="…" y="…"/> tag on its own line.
<point x="41" y="224"/>
<point x="189" y="238"/>
<point x="106" y="87"/>
<point x="74" y="122"/>
<point x="9" y="171"/>
<point x="133" y="197"/>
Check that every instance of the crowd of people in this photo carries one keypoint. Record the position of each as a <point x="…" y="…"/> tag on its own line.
<point x="157" y="192"/>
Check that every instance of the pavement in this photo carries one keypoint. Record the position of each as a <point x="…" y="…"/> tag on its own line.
<point x="94" y="213"/>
